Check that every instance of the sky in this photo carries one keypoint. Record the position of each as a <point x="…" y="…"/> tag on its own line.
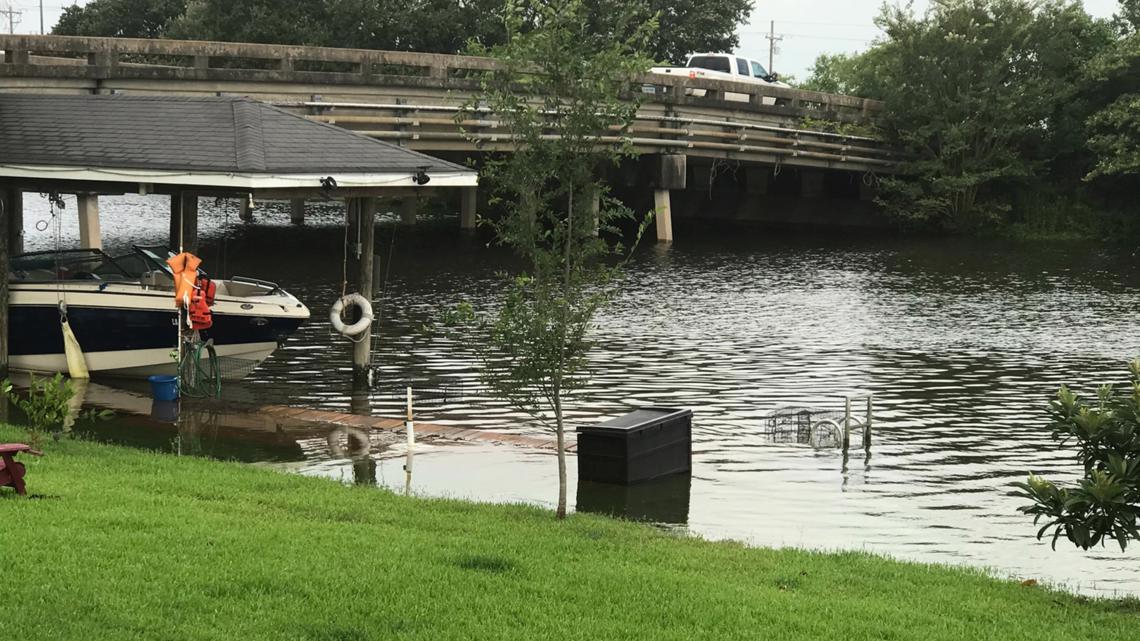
<point x="812" y="27"/>
<point x="808" y="27"/>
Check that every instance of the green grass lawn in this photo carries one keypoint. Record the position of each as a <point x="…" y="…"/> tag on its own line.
<point x="126" y="544"/>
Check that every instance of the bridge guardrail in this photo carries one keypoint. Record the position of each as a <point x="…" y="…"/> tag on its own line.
<point x="129" y="58"/>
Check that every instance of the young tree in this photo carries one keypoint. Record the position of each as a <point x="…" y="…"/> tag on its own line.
<point x="563" y="90"/>
<point x="1105" y="504"/>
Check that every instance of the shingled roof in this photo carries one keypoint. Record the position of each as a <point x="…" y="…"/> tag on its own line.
<point x="216" y="136"/>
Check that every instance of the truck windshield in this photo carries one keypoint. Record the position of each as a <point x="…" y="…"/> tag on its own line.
<point x="712" y="63"/>
<point x="758" y="70"/>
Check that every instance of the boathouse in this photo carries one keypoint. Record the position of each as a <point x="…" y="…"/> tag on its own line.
<point x="185" y="148"/>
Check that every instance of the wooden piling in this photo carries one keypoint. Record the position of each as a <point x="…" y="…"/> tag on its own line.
<point x="245" y="214"/>
<point x="846" y="423"/>
<point x="361" y="220"/>
<point x="297" y="211"/>
<point x="7" y="211"/>
<point x="90" y="231"/>
<point x="408" y="210"/>
<point x="14" y="208"/>
<point x="867" y="426"/>
<point x="184" y="222"/>
<point x="468" y="216"/>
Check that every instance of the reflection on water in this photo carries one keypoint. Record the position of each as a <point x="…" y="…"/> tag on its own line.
<point x="961" y="343"/>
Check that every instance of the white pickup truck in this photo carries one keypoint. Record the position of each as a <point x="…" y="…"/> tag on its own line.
<point x="723" y="66"/>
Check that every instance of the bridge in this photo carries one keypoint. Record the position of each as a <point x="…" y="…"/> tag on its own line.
<point x="691" y="133"/>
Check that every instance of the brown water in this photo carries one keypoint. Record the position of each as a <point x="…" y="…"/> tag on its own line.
<point x="960" y="342"/>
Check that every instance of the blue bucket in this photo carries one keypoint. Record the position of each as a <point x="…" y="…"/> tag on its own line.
<point x="163" y="388"/>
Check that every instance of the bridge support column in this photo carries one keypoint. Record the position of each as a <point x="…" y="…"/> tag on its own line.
<point x="867" y="190"/>
<point x="297" y="211"/>
<point x="245" y="214"/>
<point x="664" y="215"/>
<point x="468" y="214"/>
<point x="408" y="210"/>
<point x="811" y="183"/>
<point x="671" y="173"/>
<point x="90" y="232"/>
<point x="184" y="222"/>
<point x="756" y="180"/>
<point x="12" y="205"/>
<point x="360" y="216"/>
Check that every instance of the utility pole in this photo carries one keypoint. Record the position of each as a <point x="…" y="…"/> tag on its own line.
<point x="13" y="16"/>
<point x="41" y="17"/>
<point x="772" y="40"/>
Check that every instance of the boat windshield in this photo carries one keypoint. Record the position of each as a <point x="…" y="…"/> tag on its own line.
<point x="74" y="264"/>
<point x="144" y="260"/>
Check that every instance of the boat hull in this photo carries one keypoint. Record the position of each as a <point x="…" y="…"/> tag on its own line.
<point x="127" y="330"/>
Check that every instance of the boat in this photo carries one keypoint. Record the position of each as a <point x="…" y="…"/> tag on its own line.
<point x="123" y="313"/>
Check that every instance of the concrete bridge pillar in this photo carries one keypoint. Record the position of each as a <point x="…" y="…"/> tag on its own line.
<point x="12" y="207"/>
<point x="756" y="180"/>
<point x="664" y="215"/>
<point x="408" y="210"/>
<point x="184" y="222"/>
<point x="90" y="231"/>
<point x="811" y="183"/>
<point x="672" y="173"/>
<point x="468" y="214"/>
<point x="867" y="190"/>
<point x="297" y="211"/>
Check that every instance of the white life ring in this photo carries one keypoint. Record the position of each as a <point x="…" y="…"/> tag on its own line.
<point x="359" y="326"/>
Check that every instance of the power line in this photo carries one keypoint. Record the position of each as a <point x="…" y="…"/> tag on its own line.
<point x="772" y="40"/>
<point x="13" y="16"/>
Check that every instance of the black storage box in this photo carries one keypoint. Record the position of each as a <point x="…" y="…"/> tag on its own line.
<point x="663" y="500"/>
<point x="645" y="444"/>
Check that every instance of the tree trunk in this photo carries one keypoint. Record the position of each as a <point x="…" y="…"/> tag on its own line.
<point x="560" y="512"/>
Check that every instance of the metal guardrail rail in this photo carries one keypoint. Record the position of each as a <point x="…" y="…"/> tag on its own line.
<point x="414" y="98"/>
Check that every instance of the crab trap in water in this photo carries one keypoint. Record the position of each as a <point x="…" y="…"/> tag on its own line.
<point x="819" y="428"/>
<point x="426" y="395"/>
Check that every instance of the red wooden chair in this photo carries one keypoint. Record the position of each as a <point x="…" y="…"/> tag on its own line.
<point x="11" y="472"/>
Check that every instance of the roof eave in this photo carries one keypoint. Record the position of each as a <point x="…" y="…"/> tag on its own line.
<point x="276" y="181"/>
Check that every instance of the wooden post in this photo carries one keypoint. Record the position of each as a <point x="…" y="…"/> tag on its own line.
<point x="245" y="214"/>
<point x="664" y="215"/>
<point x="297" y="211"/>
<point x="361" y="219"/>
<point x="408" y="210"/>
<point x="90" y="233"/>
<point x="867" y="426"/>
<point x="467" y="207"/>
<point x="847" y="423"/>
<point x="410" y="427"/>
<point x="13" y="200"/>
<point x="8" y="210"/>
<point x="184" y="222"/>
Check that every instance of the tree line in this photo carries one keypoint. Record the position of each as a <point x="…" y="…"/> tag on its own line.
<point x="432" y="26"/>
<point x="1018" y="115"/>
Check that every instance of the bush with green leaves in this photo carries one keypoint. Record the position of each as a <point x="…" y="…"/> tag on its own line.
<point x="47" y="404"/>
<point x="1105" y="504"/>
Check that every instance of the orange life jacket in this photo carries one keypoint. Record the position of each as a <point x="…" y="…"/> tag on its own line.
<point x="200" y="302"/>
<point x="185" y="268"/>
